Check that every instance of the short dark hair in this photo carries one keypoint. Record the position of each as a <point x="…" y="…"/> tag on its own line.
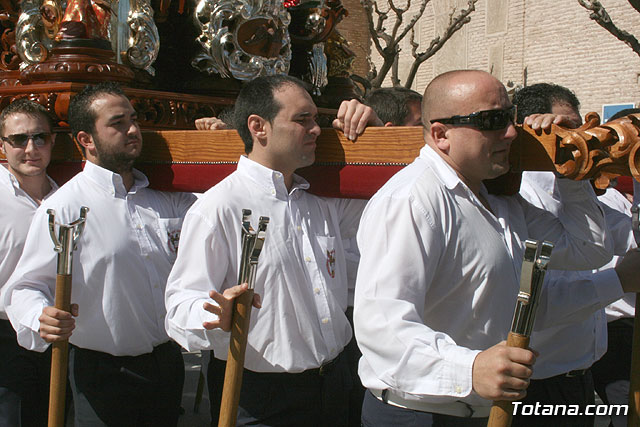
<point x="28" y="107"/>
<point x="391" y="104"/>
<point x="540" y="97"/>
<point x="257" y="97"/>
<point x="81" y="116"/>
<point x="623" y="113"/>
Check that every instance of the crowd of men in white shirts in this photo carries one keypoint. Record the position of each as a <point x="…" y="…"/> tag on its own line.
<point x="437" y="258"/>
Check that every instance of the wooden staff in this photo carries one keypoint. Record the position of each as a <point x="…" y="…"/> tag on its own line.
<point x="252" y="243"/>
<point x="534" y="265"/>
<point x="633" y="419"/>
<point x="64" y="245"/>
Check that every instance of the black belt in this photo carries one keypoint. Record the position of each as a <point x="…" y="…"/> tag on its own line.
<point x="575" y="373"/>
<point x="325" y="369"/>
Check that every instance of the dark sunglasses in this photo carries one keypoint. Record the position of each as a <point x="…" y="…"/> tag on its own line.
<point x="20" y="140"/>
<point x="483" y="120"/>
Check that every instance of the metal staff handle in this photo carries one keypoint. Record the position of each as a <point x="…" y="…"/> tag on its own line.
<point x="534" y="266"/>
<point x="633" y="420"/>
<point x="64" y="244"/>
<point x="252" y="244"/>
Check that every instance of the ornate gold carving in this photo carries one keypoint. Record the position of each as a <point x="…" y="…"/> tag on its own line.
<point x="599" y="152"/>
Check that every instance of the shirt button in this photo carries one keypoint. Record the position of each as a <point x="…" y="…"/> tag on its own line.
<point x="299" y="228"/>
<point x="325" y="321"/>
<point x="273" y="192"/>
<point x="278" y="174"/>
<point x="458" y="389"/>
<point x="308" y="259"/>
<point x="316" y="290"/>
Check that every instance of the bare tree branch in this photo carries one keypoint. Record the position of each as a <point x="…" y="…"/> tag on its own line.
<point x="602" y="18"/>
<point x="387" y="43"/>
<point x="456" y="22"/>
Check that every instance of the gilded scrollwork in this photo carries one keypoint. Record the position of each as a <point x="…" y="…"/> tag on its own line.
<point x="243" y="38"/>
<point x="600" y="152"/>
<point x="32" y="40"/>
<point x="144" y="40"/>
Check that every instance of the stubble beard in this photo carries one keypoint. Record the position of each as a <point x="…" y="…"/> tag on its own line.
<point x="115" y="162"/>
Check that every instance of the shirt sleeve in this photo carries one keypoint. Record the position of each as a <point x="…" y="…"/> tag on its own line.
<point x="200" y="267"/>
<point x="401" y="249"/>
<point x="31" y="287"/>
<point x="578" y="232"/>
<point x="573" y="296"/>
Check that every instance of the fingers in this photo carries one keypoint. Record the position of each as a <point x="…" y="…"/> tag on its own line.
<point x="502" y="373"/>
<point x="210" y="123"/>
<point x="353" y="117"/>
<point x="224" y="306"/>
<point x="257" y="301"/>
<point x="543" y="122"/>
<point x="56" y="324"/>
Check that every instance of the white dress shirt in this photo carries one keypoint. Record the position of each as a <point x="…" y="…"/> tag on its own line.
<point x="15" y="217"/>
<point x="120" y="267"/>
<point x="579" y="343"/>
<point x="439" y="275"/>
<point x="301" y="273"/>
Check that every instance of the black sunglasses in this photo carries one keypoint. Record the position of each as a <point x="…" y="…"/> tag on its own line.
<point x="20" y="140"/>
<point x="483" y="120"/>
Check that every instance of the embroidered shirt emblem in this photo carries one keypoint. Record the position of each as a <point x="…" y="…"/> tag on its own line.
<point x="331" y="263"/>
<point x="173" y="238"/>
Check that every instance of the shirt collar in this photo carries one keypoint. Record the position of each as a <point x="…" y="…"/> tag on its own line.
<point x="270" y="180"/>
<point x="10" y="181"/>
<point x="112" y="181"/>
<point x="443" y="170"/>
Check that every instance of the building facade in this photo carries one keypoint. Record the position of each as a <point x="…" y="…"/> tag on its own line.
<point x="521" y="42"/>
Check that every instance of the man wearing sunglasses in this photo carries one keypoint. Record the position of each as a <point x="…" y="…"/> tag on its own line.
<point x="440" y="266"/>
<point x="123" y="368"/>
<point x="26" y="142"/>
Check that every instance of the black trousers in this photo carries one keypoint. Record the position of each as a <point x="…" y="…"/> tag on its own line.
<point x="559" y="390"/>
<point x="615" y="365"/>
<point x="24" y="382"/>
<point x="376" y="413"/>
<point x="357" y="392"/>
<point x="143" y="390"/>
<point x="308" y="398"/>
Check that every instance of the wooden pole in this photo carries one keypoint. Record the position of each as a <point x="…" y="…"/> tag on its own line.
<point x="59" y="357"/>
<point x="502" y="410"/>
<point x="633" y="419"/>
<point x="235" y="360"/>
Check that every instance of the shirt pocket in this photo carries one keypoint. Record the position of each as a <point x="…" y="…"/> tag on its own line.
<point x="327" y="262"/>
<point x="170" y="235"/>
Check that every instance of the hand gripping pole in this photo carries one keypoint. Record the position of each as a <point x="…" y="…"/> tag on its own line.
<point x="534" y="267"/>
<point x="252" y="243"/>
<point x="64" y="244"/>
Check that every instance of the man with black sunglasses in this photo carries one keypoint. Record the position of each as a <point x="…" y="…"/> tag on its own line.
<point x="439" y="272"/>
<point x="26" y="142"/>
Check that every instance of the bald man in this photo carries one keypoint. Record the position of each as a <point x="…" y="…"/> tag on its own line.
<point x="441" y="259"/>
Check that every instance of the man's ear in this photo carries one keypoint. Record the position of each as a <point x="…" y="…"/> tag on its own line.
<point x="53" y="138"/>
<point x="388" y="124"/>
<point x="438" y="133"/>
<point x="258" y="127"/>
<point x="86" y="140"/>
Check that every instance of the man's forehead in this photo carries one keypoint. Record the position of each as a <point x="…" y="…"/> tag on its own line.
<point x="110" y="102"/>
<point x="21" y="119"/>
<point x="296" y="100"/>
